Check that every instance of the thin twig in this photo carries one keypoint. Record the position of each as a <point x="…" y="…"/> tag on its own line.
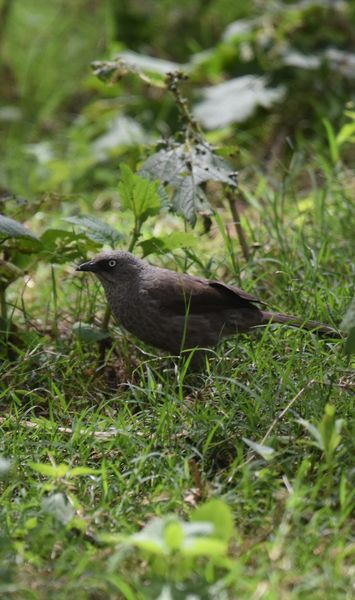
<point x="277" y="419"/>
<point x="284" y="411"/>
<point x="232" y="200"/>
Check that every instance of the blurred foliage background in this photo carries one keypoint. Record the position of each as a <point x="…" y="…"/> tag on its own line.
<point x="262" y="76"/>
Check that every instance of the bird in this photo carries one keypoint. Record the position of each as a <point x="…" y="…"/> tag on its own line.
<point x="176" y="312"/>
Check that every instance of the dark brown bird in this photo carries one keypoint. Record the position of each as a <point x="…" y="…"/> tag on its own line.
<point x="175" y="311"/>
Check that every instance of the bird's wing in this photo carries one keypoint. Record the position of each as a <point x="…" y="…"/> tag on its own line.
<point x="183" y="293"/>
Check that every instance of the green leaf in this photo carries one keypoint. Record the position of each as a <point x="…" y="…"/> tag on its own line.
<point x="161" y="245"/>
<point x="173" y="164"/>
<point x="219" y="514"/>
<point x="79" y="471"/>
<point x="17" y="235"/>
<point x="60" y="246"/>
<point x="138" y="195"/>
<point x="186" y="169"/>
<point x="219" y="107"/>
<point x="330" y="430"/>
<point x="54" y="471"/>
<point x="346" y="134"/>
<point x="190" y="200"/>
<point x="313" y="431"/>
<point x="174" y="535"/>
<point x="96" y="230"/>
<point x="151" y="537"/>
<point x="9" y="228"/>
<point x="89" y="333"/>
<point x="332" y="141"/>
<point x="266" y="452"/>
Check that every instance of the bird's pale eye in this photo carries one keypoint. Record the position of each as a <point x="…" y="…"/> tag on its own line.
<point x="112" y="263"/>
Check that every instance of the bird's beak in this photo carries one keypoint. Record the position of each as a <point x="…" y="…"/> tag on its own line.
<point x="87" y="266"/>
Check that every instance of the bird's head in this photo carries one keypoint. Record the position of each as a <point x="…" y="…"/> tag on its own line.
<point x="113" y="266"/>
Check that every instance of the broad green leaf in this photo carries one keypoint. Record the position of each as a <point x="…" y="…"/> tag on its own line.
<point x="89" y="333"/>
<point x="176" y="162"/>
<point x="217" y="513"/>
<point x="96" y="230"/>
<point x="161" y="245"/>
<point x="60" y="246"/>
<point x="186" y="169"/>
<point x="266" y="452"/>
<point x="138" y="194"/>
<point x="9" y="228"/>
<point x="220" y="108"/>
<point x="174" y="535"/>
<point x="17" y="236"/>
<point x="190" y="200"/>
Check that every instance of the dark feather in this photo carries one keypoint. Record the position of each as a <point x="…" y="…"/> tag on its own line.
<point x="185" y="294"/>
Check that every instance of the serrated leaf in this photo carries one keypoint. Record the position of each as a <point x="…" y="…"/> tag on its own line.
<point x="17" y="236"/>
<point x="189" y="200"/>
<point x="9" y="228"/>
<point x="138" y="194"/>
<point x="89" y="333"/>
<point x="266" y="452"/>
<point x="186" y="169"/>
<point x="96" y="229"/>
<point x="173" y="164"/>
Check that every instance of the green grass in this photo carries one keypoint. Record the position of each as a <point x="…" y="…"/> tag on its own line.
<point x="172" y="441"/>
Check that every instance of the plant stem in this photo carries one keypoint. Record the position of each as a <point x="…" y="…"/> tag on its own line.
<point x="3" y="306"/>
<point x="232" y="200"/>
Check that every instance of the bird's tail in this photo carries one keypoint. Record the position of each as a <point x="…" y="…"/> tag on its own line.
<point x="271" y="317"/>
